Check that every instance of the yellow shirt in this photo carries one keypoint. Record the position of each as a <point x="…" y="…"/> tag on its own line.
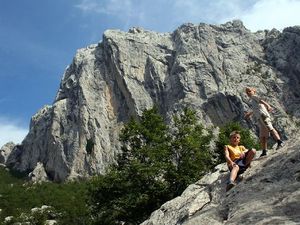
<point x="235" y="152"/>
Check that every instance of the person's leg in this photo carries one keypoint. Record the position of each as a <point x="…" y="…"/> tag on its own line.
<point x="273" y="131"/>
<point x="249" y="157"/>
<point x="233" y="173"/>
<point x="263" y="143"/>
<point x="263" y="137"/>
<point x="275" y="134"/>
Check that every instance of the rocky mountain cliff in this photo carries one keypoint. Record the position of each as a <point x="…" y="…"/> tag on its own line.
<point x="268" y="194"/>
<point x="202" y="66"/>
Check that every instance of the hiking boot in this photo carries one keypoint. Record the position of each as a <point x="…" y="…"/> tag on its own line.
<point x="264" y="153"/>
<point x="230" y="185"/>
<point x="279" y="144"/>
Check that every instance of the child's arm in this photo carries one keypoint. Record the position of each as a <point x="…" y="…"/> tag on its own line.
<point x="269" y="108"/>
<point x="243" y="153"/>
<point x="227" y="157"/>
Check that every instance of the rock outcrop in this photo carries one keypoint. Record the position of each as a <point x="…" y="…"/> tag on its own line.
<point x="202" y="66"/>
<point x="39" y="174"/>
<point x="5" y="151"/>
<point x="268" y="194"/>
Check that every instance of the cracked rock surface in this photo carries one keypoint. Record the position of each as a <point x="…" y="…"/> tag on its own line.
<point x="205" y="67"/>
<point x="268" y="194"/>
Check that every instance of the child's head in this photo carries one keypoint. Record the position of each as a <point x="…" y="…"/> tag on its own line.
<point x="250" y="91"/>
<point x="235" y="138"/>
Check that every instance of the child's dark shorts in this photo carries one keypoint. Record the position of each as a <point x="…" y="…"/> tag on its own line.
<point x="241" y="163"/>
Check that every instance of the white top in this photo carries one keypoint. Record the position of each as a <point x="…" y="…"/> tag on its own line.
<point x="258" y="108"/>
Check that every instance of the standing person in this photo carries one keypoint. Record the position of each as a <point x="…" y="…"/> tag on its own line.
<point x="261" y="111"/>
<point x="238" y="158"/>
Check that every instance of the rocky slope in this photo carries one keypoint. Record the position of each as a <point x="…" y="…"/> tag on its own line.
<point x="268" y="194"/>
<point x="202" y="66"/>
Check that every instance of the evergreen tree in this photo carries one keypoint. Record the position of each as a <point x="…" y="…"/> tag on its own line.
<point x="190" y="149"/>
<point x="137" y="185"/>
<point x="155" y="166"/>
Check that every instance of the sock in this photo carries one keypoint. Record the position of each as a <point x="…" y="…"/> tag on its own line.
<point x="230" y="181"/>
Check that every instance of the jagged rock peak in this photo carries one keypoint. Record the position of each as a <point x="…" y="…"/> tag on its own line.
<point x="206" y="67"/>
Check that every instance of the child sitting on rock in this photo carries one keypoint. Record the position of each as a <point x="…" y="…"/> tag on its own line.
<point x="238" y="158"/>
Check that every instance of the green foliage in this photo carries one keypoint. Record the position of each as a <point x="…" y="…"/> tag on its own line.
<point x="156" y="165"/>
<point x="38" y="216"/>
<point x="18" y="196"/>
<point x="144" y="140"/>
<point x="247" y="139"/>
<point x="190" y="149"/>
<point x="137" y="186"/>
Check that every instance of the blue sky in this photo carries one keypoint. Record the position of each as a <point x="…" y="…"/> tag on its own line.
<point x="38" y="39"/>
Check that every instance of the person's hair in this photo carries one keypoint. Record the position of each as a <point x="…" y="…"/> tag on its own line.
<point x="234" y="133"/>
<point x="250" y="89"/>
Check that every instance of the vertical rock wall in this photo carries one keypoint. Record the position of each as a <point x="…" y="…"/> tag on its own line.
<point x="203" y="66"/>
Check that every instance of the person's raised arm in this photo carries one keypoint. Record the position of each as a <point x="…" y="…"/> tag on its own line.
<point x="269" y="108"/>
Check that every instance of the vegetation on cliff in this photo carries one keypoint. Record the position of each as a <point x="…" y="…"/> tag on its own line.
<point x="157" y="163"/>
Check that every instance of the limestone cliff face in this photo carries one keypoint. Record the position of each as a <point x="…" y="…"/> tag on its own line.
<point x="268" y="194"/>
<point x="203" y="66"/>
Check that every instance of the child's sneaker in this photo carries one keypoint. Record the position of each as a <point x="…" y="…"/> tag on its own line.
<point x="230" y="185"/>
<point x="280" y="144"/>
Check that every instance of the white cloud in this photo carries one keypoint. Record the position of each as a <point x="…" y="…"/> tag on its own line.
<point x="169" y="14"/>
<point x="109" y="7"/>
<point x="88" y="6"/>
<point x="268" y="14"/>
<point x="208" y="11"/>
<point x="156" y="14"/>
<point x="11" y="130"/>
<point x="255" y="14"/>
<point x="122" y="10"/>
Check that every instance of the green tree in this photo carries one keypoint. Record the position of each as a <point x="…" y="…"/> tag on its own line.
<point x="156" y="164"/>
<point x="190" y="149"/>
<point x="137" y="185"/>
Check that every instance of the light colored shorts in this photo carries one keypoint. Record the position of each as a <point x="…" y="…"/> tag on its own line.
<point x="265" y="126"/>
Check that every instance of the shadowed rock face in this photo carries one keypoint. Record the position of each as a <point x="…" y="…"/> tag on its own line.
<point x="203" y="66"/>
<point x="268" y="194"/>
